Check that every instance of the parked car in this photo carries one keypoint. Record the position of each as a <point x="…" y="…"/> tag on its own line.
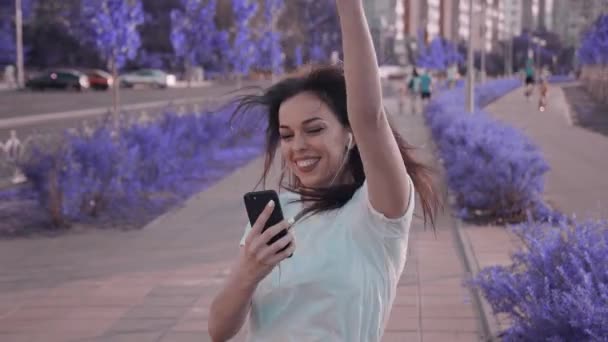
<point x="68" y="79"/>
<point x="148" y="77"/>
<point x="99" y="79"/>
<point x="392" y="72"/>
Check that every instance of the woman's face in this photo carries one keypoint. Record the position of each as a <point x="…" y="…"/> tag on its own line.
<point x="313" y="142"/>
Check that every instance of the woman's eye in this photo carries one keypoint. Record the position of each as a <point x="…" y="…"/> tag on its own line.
<point x="315" y="130"/>
<point x="286" y="136"/>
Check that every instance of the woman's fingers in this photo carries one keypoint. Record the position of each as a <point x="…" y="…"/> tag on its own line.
<point x="274" y="230"/>
<point x="267" y="253"/>
<point x="276" y="258"/>
<point x="259" y="224"/>
<point x="263" y="239"/>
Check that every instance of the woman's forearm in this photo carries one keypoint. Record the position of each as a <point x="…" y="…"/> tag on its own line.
<point x="230" y="307"/>
<point x="360" y="64"/>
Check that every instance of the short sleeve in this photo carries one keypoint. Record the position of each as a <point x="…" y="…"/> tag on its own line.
<point x="377" y="223"/>
<point x="245" y="234"/>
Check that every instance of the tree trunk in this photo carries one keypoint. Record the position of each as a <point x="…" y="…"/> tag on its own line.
<point x="115" y="91"/>
<point x="188" y="68"/>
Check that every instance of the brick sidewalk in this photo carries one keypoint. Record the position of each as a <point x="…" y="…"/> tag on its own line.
<point x="157" y="284"/>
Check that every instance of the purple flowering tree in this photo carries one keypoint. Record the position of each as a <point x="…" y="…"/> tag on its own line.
<point x="7" y="43"/>
<point x="270" y="53"/>
<point x="243" y="52"/>
<point x="195" y="36"/>
<point x="438" y="55"/>
<point x="321" y="29"/>
<point x="7" y="27"/>
<point x="112" y="28"/>
<point x="298" y="56"/>
<point x="594" y="43"/>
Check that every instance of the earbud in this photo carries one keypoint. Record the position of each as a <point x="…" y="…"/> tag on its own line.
<point x="349" y="146"/>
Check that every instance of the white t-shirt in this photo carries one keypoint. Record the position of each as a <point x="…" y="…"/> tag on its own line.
<point x="341" y="282"/>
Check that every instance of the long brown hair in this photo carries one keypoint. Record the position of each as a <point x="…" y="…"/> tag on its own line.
<point x="329" y="84"/>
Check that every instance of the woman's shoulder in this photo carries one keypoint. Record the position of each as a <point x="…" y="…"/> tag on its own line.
<point x="360" y="208"/>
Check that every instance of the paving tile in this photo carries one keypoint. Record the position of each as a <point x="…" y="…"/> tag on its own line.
<point x="95" y="312"/>
<point x="459" y="311"/>
<point x="190" y="324"/>
<point x="103" y="301"/>
<point x="153" y="311"/>
<point x="186" y="336"/>
<point x="450" y="324"/>
<point x="16" y="337"/>
<point x="142" y="325"/>
<point x="437" y="300"/>
<point x="405" y="312"/>
<point x="397" y="324"/>
<point x="450" y="337"/>
<point x="407" y="290"/>
<point x="401" y="337"/>
<point x="173" y="291"/>
<point x="34" y="313"/>
<point x="405" y="300"/>
<point x="128" y="337"/>
<point x="171" y="301"/>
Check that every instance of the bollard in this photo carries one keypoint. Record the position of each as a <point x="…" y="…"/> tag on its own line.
<point x="14" y="150"/>
<point x="144" y="117"/>
<point x="401" y="96"/>
<point x="87" y="128"/>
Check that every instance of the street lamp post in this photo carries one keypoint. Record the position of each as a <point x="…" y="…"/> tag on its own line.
<point x="470" y="96"/>
<point x="483" y="41"/>
<point x="19" y="40"/>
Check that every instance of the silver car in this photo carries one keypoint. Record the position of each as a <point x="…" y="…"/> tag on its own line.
<point x="147" y="77"/>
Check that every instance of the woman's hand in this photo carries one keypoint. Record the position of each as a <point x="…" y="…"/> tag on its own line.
<point x="259" y="259"/>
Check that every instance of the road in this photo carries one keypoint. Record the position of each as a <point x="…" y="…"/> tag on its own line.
<point x="17" y="106"/>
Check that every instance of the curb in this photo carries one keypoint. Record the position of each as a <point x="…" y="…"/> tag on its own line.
<point x="571" y="118"/>
<point x="489" y="323"/>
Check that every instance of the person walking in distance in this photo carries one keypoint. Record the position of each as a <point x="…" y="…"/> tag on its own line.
<point x="413" y="90"/>
<point x="452" y="74"/>
<point x="349" y="184"/>
<point x="543" y="88"/>
<point x="426" y="87"/>
<point x="529" y="78"/>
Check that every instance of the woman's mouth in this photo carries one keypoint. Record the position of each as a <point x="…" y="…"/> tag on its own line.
<point x="307" y="165"/>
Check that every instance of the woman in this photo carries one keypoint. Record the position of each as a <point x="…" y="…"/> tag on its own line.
<point x="543" y="86"/>
<point x="426" y="87"/>
<point x="413" y="86"/>
<point x="351" y="182"/>
<point x="529" y="78"/>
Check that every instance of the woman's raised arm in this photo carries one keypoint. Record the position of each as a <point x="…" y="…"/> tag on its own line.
<point x="387" y="179"/>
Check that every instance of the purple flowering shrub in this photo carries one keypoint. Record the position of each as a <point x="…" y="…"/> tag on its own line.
<point x="493" y="170"/>
<point x="556" y="290"/>
<point x="139" y="169"/>
<point x="561" y="78"/>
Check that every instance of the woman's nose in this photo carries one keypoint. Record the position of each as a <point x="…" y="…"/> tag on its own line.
<point x="299" y="142"/>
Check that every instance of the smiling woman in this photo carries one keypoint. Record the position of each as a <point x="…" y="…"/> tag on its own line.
<point x="350" y="181"/>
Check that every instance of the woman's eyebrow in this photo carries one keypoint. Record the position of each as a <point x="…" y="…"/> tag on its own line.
<point x="307" y="121"/>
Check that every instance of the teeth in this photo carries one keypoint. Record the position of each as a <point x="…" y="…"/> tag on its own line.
<point x="307" y="162"/>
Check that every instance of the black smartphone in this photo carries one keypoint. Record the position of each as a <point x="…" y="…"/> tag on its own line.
<point x="256" y="202"/>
